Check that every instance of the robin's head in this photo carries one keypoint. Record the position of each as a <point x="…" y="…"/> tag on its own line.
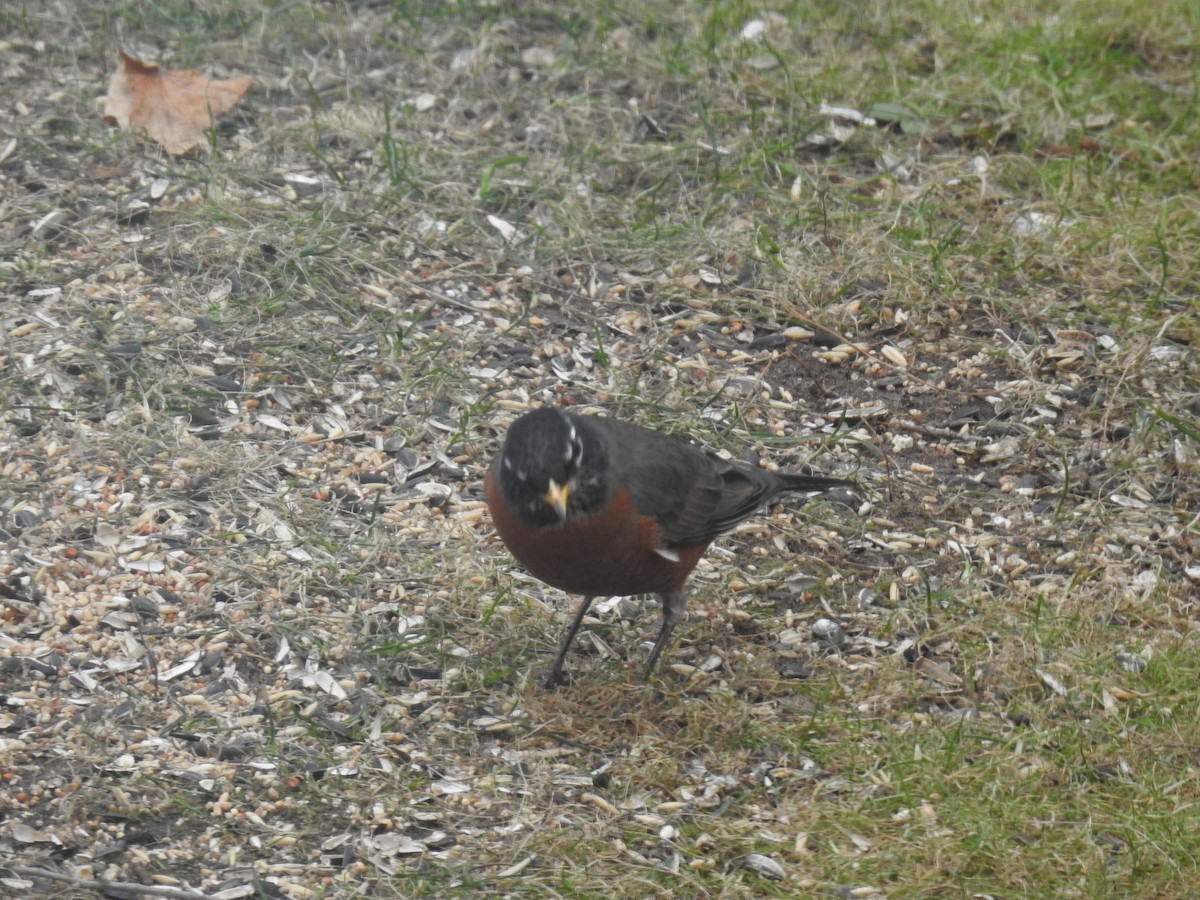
<point x="552" y="467"/>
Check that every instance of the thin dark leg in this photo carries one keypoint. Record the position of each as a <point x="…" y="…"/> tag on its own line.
<point x="672" y="614"/>
<point x="555" y="674"/>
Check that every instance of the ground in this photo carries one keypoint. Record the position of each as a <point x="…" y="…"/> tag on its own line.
<point x="259" y="637"/>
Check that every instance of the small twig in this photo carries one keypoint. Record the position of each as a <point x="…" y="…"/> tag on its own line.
<point x="100" y="885"/>
<point x="945" y="433"/>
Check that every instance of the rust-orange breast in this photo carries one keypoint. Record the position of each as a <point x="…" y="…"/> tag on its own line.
<point x="611" y="553"/>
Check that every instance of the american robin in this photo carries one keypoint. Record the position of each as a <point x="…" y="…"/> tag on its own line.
<point x="599" y="507"/>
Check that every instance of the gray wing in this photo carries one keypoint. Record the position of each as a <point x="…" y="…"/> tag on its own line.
<point x="692" y="494"/>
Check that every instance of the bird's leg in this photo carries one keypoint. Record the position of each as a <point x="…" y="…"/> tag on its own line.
<point x="672" y="611"/>
<point x="555" y="674"/>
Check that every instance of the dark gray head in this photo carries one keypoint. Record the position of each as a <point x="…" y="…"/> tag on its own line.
<point x="553" y="466"/>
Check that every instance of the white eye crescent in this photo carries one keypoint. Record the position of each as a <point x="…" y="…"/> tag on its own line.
<point x="574" y="452"/>
<point x="572" y="441"/>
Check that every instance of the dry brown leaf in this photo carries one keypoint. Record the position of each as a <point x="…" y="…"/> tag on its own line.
<point x="173" y="106"/>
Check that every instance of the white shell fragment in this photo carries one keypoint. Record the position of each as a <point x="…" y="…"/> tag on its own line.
<point x="1052" y="682"/>
<point x="763" y="865"/>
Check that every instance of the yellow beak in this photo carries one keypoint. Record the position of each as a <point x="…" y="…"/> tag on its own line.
<point x="557" y="497"/>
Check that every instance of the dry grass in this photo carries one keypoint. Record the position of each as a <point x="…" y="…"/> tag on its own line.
<point x="257" y="631"/>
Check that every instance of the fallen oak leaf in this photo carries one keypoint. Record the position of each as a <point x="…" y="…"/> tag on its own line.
<point x="173" y="106"/>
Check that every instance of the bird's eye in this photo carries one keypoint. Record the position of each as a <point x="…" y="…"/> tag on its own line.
<point x="521" y="474"/>
<point x="574" y="455"/>
<point x="572" y="441"/>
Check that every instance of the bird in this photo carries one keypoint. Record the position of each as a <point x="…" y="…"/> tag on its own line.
<point x="601" y="507"/>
